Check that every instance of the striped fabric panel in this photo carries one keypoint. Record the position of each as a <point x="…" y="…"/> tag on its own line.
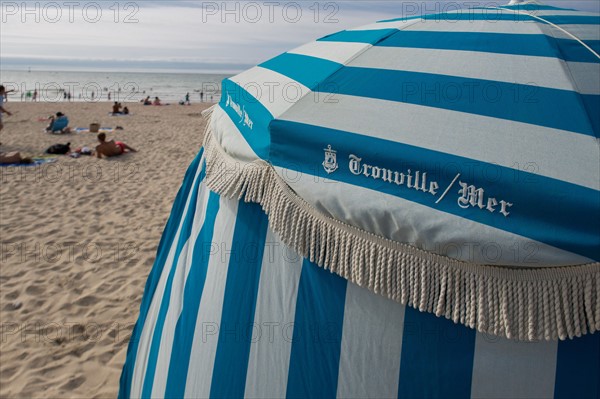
<point x="201" y="233"/>
<point x="134" y="368"/>
<point x="316" y="342"/>
<point x="366" y="335"/>
<point x="437" y="357"/>
<point x="458" y="133"/>
<point x="535" y="7"/>
<point x="532" y="45"/>
<point x="493" y="15"/>
<point x="206" y="331"/>
<point x="167" y="314"/>
<point x="344" y="341"/>
<point x="243" y="277"/>
<point x="504" y="369"/>
<point x="273" y="321"/>
<point x="538" y="105"/>
<point x="183" y="328"/>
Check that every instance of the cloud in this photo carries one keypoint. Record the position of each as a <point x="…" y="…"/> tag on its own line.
<point x="191" y="33"/>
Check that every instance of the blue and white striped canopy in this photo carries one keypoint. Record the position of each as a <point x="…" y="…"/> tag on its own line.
<point x="407" y="209"/>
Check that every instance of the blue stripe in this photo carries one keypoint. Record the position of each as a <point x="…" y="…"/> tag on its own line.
<point x="594" y="44"/>
<point x="500" y="43"/>
<point x="578" y="368"/>
<point x="573" y="51"/>
<point x="536" y="7"/>
<point x="437" y="357"/>
<point x="307" y="70"/>
<point x="494" y="15"/>
<point x="186" y="325"/>
<point x="554" y="108"/>
<point x="573" y="19"/>
<point x="359" y="36"/>
<point x="164" y="247"/>
<point x="560" y="214"/>
<point x="491" y="15"/>
<point x="251" y="106"/>
<point x="239" y="304"/>
<point x="592" y="105"/>
<point x="184" y="236"/>
<point x="317" y="338"/>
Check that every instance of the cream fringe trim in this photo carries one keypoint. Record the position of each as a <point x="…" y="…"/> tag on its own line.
<point x="525" y="304"/>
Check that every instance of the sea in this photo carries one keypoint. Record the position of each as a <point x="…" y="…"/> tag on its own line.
<point x="125" y="87"/>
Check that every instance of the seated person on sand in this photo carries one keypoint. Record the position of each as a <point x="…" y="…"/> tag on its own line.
<point x="111" y="148"/>
<point x="59" y="124"/>
<point x="156" y="101"/>
<point x="125" y="111"/>
<point x="147" y="101"/>
<point x="116" y="109"/>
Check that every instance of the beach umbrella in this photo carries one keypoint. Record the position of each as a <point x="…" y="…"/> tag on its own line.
<point x="405" y="209"/>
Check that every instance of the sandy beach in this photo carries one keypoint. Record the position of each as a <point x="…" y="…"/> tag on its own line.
<point x="78" y="239"/>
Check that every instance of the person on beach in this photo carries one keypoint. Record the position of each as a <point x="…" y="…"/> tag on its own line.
<point x="187" y="99"/>
<point x="125" y="111"/>
<point x="156" y="101"/>
<point x="147" y="101"/>
<point x="59" y="124"/>
<point x="13" y="158"/>
<point x="116" y="109"/>
<point x="35" y="94"/>
<point x="2" y="110"/>
<point x="111" y="148"/>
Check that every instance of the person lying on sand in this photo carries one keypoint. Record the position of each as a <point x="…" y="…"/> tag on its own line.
<point x="111" y="148"/>
<point x="12" y="158"/>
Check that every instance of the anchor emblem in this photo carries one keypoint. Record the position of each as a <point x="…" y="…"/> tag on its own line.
<point x="330" y="163"/>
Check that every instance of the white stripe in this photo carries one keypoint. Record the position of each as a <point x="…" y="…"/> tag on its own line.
<point x="276" y="92"/>
<point x="388" y="25"/>
<point x="419" y="225"/>
<point x="371" y="345"/>
<point x="508" y="27"/>
<point x="583" y="32"/>
<point x="586" y="77"/>
<point x="269" y="358"/>
<point x="536" y="71"/>
<point x="340" y="52"/>
<point x="176" y="301"/>
<point x="509" y="369"/>
<point x="206" y="332"/>
<point x="495" y="141"/>
<point x="229" y="136"/>
<point x="145" y="341"/>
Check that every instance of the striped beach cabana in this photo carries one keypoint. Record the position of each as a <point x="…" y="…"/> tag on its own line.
<point x="406" y="209"/>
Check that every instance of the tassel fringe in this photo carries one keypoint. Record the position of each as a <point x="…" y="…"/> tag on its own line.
<point x="515" y="303"/>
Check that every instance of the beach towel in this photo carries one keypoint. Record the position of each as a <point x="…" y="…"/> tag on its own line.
<point x="87" y="130"/>
<point x="36" y="162"/>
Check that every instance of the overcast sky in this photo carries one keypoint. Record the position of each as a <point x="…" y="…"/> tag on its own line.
<point x="185" y="35"/>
